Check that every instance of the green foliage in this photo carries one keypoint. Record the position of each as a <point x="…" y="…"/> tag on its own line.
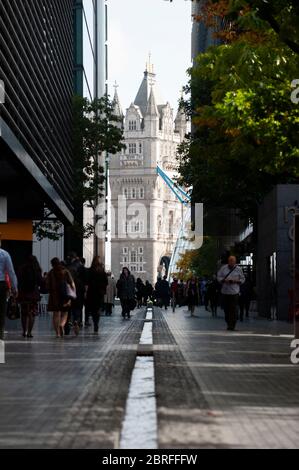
<point x="245" y="125"/>
<point x="201" y="262"/>
<point x="95" y="134"/>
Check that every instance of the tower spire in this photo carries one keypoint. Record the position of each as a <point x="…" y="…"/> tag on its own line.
<point x="151" y="109"/>
<point x="116" y="102"/>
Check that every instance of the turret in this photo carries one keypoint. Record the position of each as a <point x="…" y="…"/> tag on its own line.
<point x="151" y="116"/>
<point x="117" y="110"/>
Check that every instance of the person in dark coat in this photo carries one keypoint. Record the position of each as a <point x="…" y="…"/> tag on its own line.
<point x="78" y="273"/>
<point x="97" y="282"/>
<point x="245" y="298"/>
<point x="140" y="292"/>
<point x="148" y="292"/>
<point x="192" y="289"/>
<point x="126" y="292"/>
<point x="30" y="281"/>
<point x="212" y="294"/>
<point x="164" y="290"/>
<point x="58" y="303"/>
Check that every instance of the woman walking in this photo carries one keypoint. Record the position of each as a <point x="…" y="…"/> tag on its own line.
<point x="192" y="294"/>
<point x="140" y="291"/>
<point x="59" y="281"/>
<point x="126" y="292"/>
<point x="97" y="282"/>
<point x="110" y="295"/>
<point x="30" y="281"/>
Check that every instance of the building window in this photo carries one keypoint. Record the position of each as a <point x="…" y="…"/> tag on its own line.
<point x="140" y="148"/>
<point x="137" y="226"/>
<point x="141" y="193"/>
<point x="132" y="125"/>
<point x="132" y="149"/>
<point x="133" y="257"/>
<point x="140" y="250"/>
<point x="125" y="251"/>
<point x="134" y="193"/>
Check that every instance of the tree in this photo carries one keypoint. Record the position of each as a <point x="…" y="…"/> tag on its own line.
<point x="230" y="18"/>
<point x="94" y="133"/>
<point x="201" y="262"/>
<point x="246" y="127"/>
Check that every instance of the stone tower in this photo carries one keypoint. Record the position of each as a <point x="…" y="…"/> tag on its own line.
<point x="146" y="215"/>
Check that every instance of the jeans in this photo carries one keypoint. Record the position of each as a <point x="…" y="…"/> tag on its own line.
<point x="3" y="294"/>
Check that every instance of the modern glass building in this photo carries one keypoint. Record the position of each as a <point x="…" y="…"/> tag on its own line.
<point x="36" y="66"/>
<point x="90" y="72"/>
<point x="49" y="50"/>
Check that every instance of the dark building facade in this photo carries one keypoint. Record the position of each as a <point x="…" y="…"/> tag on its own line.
<point x="36" y="68"/>
<point x="275" y="262"/>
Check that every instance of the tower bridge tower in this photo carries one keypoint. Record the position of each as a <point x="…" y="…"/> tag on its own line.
<point x="144" y="232"/>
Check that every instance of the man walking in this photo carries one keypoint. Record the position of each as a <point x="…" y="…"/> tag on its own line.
<point x="231" y="277"/>
<point x="6" y="269"/>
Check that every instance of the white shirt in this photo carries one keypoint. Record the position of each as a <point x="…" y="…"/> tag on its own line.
<point x="6" y="267"/>
<point x="236" y="275"/>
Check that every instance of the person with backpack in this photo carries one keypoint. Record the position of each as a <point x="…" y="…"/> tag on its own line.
<point x="230" y="276"/>
<point x="30" y="281"/>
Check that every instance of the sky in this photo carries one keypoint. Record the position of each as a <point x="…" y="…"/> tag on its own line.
<point x="140" y="27"/>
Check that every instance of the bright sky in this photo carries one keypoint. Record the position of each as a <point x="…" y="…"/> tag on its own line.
<point x="137" y="27"/>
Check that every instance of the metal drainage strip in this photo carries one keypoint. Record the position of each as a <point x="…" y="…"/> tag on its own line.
<point x="140" y="427"/>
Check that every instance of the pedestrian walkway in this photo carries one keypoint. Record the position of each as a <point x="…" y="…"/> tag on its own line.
<point x="250" y="388"/>
<point x="213" y="388"/>
<point x="67" y="393"/>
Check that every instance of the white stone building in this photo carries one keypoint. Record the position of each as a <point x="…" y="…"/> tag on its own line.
<point x="145" y="231"/>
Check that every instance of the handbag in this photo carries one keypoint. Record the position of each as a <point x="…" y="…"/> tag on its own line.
<point x="68" y="291"/>
<point x="13" y="311"/>
<point x="132" y="304"/>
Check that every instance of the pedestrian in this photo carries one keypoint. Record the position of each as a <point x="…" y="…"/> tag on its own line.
<point x="6" y="272"/>
<point x="97" y="281"/>
<point x="212" y="294"/>
<point x="30" y="282"/>
<point x="110" y="295"/>
<point x="140" y="291"/>
<point x="181" y="293"/>
<point x="59" y="284"/>
<point x="245" y="298"/>
<point x="231" y="277"/>
<point x="165" y="293"/>
<point x="78" y="273"/>
<point x="126" y="292"/>
<point x="192" y="294"/>
<point x="174" y="289"/>
<point x="148" y="292"/>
